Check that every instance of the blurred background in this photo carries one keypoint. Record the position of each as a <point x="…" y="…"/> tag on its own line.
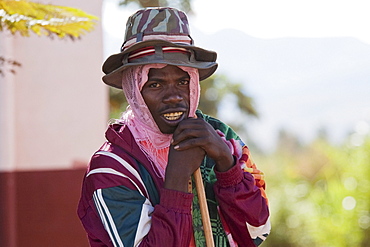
<point x="293" y="81"/>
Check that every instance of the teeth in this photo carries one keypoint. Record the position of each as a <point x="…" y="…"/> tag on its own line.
<point x="173" y="115"/>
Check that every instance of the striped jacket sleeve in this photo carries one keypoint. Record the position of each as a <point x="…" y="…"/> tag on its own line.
<point x="240" y="193"/>
<point x="137" y="210"/>
<point x="243" y="203"/>
<point x="129" y="217"/>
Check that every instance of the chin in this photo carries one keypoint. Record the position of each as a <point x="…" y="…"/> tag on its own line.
<point x="168" y="131"/>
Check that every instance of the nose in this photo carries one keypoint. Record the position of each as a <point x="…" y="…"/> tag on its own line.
<point x="173" y="95"/>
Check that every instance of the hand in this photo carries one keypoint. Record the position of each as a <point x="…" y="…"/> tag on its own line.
<point x="195" y="132"/>
<point x="181" y="165"/>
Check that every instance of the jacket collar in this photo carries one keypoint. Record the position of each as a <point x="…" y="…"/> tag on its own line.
<point x="121" y="136"/>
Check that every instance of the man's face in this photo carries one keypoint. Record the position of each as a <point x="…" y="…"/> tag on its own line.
<point x="166" y="93"/>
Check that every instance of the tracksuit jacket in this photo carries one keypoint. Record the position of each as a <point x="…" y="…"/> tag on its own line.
<point x="123" y="201"/>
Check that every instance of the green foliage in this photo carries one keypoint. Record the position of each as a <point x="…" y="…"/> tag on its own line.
<point x="319" y="194"/>
<point x="117" y="102"/>
<point x="23" y="17"/>
<point x="218" y="93"/>
<point x="217" y="88"/>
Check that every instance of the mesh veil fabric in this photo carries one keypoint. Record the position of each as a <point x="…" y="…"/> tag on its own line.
<point x="139" y="120"/>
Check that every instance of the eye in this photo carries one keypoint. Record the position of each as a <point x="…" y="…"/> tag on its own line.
<point x="185" y="82"/>
<point x="154" y="85"/>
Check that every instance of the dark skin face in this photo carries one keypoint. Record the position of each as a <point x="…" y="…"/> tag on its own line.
<point x="166" y="93"/>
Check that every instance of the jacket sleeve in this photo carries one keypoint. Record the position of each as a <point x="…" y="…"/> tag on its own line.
<point x="242" y="201"/>
<point x="240" y="192"/>
<point x="131" y="220"/>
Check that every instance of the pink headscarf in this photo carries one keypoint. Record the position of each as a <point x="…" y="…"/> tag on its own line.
<point x="139" y="120"/>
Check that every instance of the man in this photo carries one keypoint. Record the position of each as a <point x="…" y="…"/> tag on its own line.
<point x="139" y="188"/>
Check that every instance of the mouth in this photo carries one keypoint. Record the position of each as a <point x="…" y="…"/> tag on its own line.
<point x="173" y="116"/>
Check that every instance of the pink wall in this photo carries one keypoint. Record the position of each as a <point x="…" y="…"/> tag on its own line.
<point x="54" y="109"/>
<point x="53" y="115"/>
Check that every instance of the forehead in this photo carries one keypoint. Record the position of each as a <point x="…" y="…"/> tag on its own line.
<point x="169" y="71"/>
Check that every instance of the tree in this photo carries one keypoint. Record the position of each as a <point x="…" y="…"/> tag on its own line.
<point x="8" y="65"/>
<point x="319" y="195"/>
<point x="24" y="17"/>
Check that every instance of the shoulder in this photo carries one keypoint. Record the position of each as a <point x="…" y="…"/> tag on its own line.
<point x="111" y="156"/>
<point x="110" y="166"/>
<point x="218" y="125"/>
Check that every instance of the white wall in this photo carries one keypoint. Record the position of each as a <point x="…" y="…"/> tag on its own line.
<point x="54" y="110"/>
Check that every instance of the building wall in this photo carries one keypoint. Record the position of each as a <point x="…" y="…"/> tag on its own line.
<point x="54" y="109"/>
<point x="53" y="115"/>
<point x="39" y="209"/>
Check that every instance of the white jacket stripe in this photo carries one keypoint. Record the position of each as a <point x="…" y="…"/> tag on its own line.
<point x="103" y="210"/>
<point x="144" y="222"/>
<point x="114" y="172"/>
<point x="261" y="231"/>
<point x="125" y="164"/>
<point x="107" y="218"/>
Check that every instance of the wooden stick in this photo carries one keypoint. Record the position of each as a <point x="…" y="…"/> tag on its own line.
<point x="203" y="208"/>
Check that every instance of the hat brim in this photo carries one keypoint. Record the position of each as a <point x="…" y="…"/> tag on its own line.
<point x="114" y="66"/>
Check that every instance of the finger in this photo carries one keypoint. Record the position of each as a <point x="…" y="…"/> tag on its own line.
<point x="191" y="143"/>
<point x="187" y="134"/>
<point x="186" y="124"/>
<point x="190" y="129"/>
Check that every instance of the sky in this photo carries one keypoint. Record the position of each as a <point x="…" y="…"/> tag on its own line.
<point x="286" y="18"/>
<point x="267" y="18"/>
<point x="262" y="19"/>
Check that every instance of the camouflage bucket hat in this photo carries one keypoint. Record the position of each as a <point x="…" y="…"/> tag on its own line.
<point x="158" y="35"/>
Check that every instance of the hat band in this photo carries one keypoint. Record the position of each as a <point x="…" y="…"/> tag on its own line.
<point x="181" y="39"/>
<point x="151" y="50"/>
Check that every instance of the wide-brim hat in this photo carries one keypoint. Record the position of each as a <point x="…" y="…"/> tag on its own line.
<point x="158" y="35"/>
